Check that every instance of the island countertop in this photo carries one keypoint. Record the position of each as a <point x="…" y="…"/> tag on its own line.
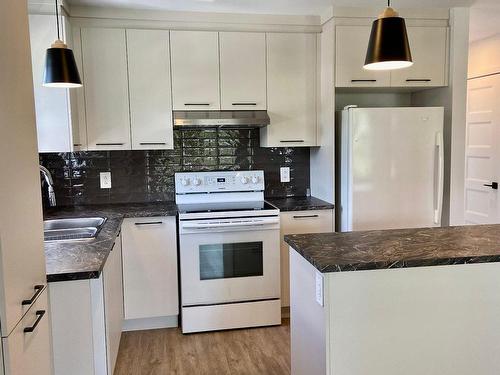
<point x="399" y="248"/>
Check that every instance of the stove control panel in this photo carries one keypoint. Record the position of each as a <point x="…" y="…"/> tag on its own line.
<point x="209" y="182"/>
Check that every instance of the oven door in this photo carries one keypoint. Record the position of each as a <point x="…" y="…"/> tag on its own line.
<point x="229" y="260"/>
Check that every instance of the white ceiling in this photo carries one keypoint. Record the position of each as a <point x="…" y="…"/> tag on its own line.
<point x="302" y="7"/>
<point x="485" y="14"/>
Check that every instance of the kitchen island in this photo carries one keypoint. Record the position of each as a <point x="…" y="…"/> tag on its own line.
<point x="411" y="301"/>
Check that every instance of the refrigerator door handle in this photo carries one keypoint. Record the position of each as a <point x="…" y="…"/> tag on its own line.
<point x="440" y="178"/>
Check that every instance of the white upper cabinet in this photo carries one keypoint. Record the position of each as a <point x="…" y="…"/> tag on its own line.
<point x="352" y="43"/>
<point x="106" y="88"/>
<point x="291" y="90"/>
<point x="150" y="93"/>
<point x="428" y="47"/>
<point x="77" y="94"/>
<point x="195" y="70"/>
<point x="243" y="70"/>
<point x="57" y="128"/>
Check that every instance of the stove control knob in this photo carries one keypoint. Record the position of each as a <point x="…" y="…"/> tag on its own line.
<point x="185" y="181"/>
<point x="255" y="180"/>
<point x="196" y="182"/>
<point x="244" y="180"/>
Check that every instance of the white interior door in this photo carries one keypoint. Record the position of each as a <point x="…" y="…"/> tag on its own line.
<point x="482" y="205"/>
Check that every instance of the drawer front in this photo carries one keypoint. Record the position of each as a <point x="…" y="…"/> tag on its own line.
<point x="298" y="222"/>
<point x="27" y="349"/>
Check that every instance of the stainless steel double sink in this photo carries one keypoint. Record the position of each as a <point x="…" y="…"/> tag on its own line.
<point x="72" y="229"/>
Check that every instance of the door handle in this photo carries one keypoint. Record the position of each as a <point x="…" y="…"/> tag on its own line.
<point x="38" y="290"/>
<point x="304" y="216"/>
<point x="39" y="314"/>
<point x="150" y="223"/>
<point x="493" y="185"/>
<point x="418" y="80"/>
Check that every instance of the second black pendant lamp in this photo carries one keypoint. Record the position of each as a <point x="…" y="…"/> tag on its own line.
<point x="60" y="65"/>
<point x="388" y="47"/>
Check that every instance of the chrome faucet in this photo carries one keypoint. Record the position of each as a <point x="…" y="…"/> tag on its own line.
<point x="50" y="184"/>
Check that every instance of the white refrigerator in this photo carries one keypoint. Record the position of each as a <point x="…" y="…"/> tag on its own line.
<point x="390" y="168"/>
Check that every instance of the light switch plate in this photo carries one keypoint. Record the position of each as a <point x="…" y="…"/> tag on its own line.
<point x="319" y="289"/>
<point x="105" y="178"/>
<point x="285" y="174"/>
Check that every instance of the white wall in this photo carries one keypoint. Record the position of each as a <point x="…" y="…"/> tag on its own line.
<point x="372" y="99"/>
<point x="454" y="100"/>
<point x="322" y="158"/>
<point x="484" y="57"/>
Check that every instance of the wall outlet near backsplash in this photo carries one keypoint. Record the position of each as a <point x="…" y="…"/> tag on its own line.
<point x="148" y="176"/>
<point x="284" y="174"/>
<point x="105" y="180"/>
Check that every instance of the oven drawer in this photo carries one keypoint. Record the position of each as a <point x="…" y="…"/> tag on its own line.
<point x="224" y="267"/>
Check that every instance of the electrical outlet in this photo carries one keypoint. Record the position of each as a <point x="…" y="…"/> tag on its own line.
<point x="320" y="289"/>
<point x="105" y="178"/>
<point x="285" y="174"/>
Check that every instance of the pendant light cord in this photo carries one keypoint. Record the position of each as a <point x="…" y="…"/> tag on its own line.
<point x="388" y="3"/>
<point x="57" y="22"/>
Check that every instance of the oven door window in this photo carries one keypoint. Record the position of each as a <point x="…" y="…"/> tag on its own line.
<point x="223" y="261"/>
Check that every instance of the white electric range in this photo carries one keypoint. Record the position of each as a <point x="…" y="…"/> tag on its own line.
<point x="229" y="251"/>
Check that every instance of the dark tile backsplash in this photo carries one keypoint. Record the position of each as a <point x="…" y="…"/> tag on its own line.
<point x="148" y="176"/>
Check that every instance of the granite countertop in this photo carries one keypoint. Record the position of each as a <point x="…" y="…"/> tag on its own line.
<point x="401" y="248"/>
<point x="300" y="204"/>
<point x="76" y="260"/>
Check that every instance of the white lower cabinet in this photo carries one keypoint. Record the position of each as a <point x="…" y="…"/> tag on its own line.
<point x="150" y="271"/>
<point x="113" y="303"/>
<point x="86" y="320"/>
<point x="298" y="222"/>
<point x="26" y="350"/>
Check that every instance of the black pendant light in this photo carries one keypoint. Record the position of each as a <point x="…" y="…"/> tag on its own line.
<point x="60" y="64"/>
<point x="388" y="48"/>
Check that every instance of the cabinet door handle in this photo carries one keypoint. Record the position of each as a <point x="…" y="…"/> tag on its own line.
<point x="244" y="103"/>
<point x="39" y="316"/>
<point x="38" y="290"/>
<point x="293" y="141"/>
<point x="150" y="223"/>
<point x="493" y="185"/>
<point x="205" y="104"/>
<point x="77" y="144"/>
<point x="152" y="143"/>
<point x="109" y="144"/>
<point x="304" y="216"/>
<point x="363" y="80"/>
<point x="418" y="80"/>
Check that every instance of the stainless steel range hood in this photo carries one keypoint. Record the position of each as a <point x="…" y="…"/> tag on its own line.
<point x="221" y="119"/>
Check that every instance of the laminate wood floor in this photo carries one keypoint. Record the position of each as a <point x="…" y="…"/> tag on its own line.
<point x="244" y="351"/>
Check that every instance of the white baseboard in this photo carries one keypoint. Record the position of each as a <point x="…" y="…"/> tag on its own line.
<point x="151" y="323"/>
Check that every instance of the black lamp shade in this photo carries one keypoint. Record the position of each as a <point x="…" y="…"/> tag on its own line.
<point x="388" y="47"/>
<point x="60" y="69"/>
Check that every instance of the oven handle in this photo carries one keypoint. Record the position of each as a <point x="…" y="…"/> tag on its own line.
<point x="241" y="224"/>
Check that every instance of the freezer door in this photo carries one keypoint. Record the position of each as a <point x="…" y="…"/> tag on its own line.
<point x="395" y="176"/>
